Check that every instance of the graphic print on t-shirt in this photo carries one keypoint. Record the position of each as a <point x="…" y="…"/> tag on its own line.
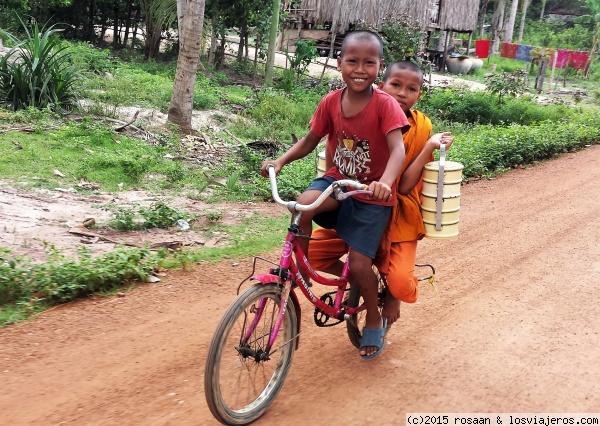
<point x="352" y="157"/>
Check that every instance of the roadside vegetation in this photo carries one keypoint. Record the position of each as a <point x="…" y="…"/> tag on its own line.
<point x="87" y="142"/>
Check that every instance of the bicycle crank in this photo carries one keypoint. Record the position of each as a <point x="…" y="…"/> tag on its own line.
<point x="321" y="318"/>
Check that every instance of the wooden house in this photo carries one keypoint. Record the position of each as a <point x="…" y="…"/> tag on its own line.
<point x="567" y="11"/>
<point x="326" y="21"/>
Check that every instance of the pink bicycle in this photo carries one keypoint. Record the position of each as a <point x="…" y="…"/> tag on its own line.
<point x="253" y="346"/>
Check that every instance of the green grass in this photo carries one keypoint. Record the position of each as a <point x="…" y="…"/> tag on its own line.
<point x="254" y="235"/>
<point x="92" y="151"/>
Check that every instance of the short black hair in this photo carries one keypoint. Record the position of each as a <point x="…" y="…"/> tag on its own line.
<point x="363" y="35"/>
<point x="402" y="65"/>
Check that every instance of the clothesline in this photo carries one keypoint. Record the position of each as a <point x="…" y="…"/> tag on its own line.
<point x="574" y="58"/>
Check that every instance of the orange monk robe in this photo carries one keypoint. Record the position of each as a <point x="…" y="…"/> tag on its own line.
<point x="406" y="223"/>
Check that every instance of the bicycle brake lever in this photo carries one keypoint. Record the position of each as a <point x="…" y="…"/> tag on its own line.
<point x="343" y="195"/>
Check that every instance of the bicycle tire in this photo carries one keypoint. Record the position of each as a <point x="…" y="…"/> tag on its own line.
<point x="353" y="325"/>
<point x="230" y="396"/>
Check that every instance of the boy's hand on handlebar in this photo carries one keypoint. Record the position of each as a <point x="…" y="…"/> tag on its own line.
<point x="381" y="191"/>
<point x="275" y="163"/>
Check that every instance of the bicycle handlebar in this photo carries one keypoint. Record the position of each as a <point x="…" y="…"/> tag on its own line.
<point x="293" y="205"/>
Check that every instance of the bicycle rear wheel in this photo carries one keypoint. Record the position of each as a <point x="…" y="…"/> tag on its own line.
<point x="238" y="384"/>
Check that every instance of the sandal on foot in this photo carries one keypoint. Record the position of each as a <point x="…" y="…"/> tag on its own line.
<point x="373" y="337"/>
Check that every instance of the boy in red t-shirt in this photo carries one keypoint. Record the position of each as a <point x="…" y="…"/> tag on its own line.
<point x="364" y="127"/>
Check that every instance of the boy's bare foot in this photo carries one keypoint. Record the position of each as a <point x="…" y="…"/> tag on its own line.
<point x="391" y="309"/>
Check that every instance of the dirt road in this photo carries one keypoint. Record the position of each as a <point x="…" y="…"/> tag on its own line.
<point x="515" y="329"/>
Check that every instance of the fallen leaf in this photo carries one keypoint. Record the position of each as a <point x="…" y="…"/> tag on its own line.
<point x="57" y="172"/>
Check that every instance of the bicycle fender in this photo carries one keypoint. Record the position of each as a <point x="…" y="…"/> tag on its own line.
<point x="268" y="279"/>
<point x="274" y="279"/>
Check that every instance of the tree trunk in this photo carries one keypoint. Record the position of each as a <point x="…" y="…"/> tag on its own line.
<point x="91" y="34"/>
<point x="482" y="14"/>
<point x="272" y="42"/>
<point x="127" y="22"/>
<point x="509" y="27"/>
<point x="243" y="36"/>
<point x="116" y="35"/>
<point x="220" y="53"/>
<point x="497" y="25"/>
<point x="180" y="13"/>
<point x="588" y="64"/>
<point x="213" y="40"/>
<point x="153" y="35"/>
<point x="524" y="8"/>
<point x="543" y="9"/>
<point x="138" y="12"/>
<point x="182" y="99"/>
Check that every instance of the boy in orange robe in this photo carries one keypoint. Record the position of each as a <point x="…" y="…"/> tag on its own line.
<point x="398" y="250"/>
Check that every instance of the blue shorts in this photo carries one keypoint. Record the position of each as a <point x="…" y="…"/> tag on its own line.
<point x="359" y="224"/>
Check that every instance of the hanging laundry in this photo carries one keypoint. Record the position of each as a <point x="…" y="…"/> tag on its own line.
<point x="523" y="51"/>
<point x="578" y="59"/>
<point x="508" y="50"/>
<point x="562" y="58"/>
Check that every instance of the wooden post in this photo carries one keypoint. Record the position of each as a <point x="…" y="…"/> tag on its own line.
<point x="539" y="80"/>
<point x="554" y="58"/>
<point x="330" y="54"/>
<point x="566" y="69"/>
<point x="443" y="66"/>
<point x="334" y="24"/>
<point x="469" y="42"/>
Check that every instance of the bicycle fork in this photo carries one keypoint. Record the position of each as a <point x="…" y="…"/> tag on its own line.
<point x="263" y="354"/>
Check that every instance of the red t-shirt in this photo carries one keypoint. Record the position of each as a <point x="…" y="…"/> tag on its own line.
<point x="358" y="144"/>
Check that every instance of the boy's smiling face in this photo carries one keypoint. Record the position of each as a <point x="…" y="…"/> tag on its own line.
<point x="360" y="64"/>
<point x="404" y="85"/>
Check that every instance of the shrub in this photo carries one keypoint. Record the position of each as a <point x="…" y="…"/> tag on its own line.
<point x="305" y="52"/>
<point x="63" y="278"/>
<point x="486" y="150"/>
<point x="507" y="84"/>
<point x="37" y="71"/>
<point x="477" y="107"/>
<point x="402" y="37"/>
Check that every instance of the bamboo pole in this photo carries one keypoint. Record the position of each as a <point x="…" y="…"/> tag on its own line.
<point x="555" y="57"/>
<point x="334" y="24"/>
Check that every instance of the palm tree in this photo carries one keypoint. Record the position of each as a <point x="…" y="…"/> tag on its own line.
<point x="272" y="42"/>
<point x="190" y="33"/>
<point x="524" y="7"/>
<point x="509" y="26"/>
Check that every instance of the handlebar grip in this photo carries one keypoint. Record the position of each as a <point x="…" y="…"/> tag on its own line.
<point x="345" y="195"/>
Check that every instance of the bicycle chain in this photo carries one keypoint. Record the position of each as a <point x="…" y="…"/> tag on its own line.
<point x="321" y="318"/>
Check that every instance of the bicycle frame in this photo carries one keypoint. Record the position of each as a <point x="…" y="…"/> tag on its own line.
<point x="287" y="272"/>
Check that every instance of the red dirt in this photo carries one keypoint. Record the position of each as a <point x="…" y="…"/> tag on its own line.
<point x="515" y="328"/>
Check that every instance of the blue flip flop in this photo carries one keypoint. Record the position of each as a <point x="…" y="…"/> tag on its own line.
<point x="374" y="337"/>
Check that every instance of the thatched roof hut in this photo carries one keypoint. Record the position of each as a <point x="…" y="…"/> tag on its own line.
<point x="325" y="21"/>
<point x="451" y="15"/>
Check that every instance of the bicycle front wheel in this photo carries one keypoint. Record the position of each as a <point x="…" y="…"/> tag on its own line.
<point x="240" y="382"/>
